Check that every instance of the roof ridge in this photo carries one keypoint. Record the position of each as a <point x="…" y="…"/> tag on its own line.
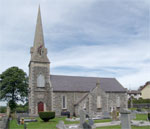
<point x="83" y="76"/>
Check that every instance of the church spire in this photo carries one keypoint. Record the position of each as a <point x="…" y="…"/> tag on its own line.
<point x="38" y="51"/>
<point x="39" y="38"/>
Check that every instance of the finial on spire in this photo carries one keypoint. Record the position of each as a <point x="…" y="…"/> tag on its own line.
<point x="98" y="83"/>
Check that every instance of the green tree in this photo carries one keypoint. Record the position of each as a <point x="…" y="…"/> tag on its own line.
<point x="13" y="86"/>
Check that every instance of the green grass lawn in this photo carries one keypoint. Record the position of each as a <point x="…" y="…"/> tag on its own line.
<point x="36" y="125"/>
<point x="119" y="127"/>
<point x="52" y="123"/>
<point x="141" y="117"/>
<point x="47" y="125"/>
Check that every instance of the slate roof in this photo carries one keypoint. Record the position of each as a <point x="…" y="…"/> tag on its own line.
<point x="146" y="84"/>
<point x="134" y="92"/>
<point x="84" y="84"/>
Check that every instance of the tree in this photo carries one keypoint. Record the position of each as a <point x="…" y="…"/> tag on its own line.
<point x="13" y="86"/>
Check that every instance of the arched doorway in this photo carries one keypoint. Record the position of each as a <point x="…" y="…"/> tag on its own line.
<point x="40" y="107"/>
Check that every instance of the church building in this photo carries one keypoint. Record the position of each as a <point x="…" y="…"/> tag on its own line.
<point x="62" y="93"/>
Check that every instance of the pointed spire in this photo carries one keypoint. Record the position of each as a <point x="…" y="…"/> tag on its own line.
<point x="38" y="51"/>
<point x="39" y="38"/>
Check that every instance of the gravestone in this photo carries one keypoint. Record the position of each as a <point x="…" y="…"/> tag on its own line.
<point x="114" y="115"/>
<point x="106" y="115"/>
<point x="91" y="122"/>
<point x="133" y="115"/>
<point x="18" y="120"/>
<point x="83" y="123"/>
<point x="61" y="125"/>
<point x="25" y="126"/>
<point x="86" y="126"/>
<point x="82" y="117"/>
<point x="125" y="119"/>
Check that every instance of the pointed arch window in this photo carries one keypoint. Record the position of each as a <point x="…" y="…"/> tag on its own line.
<point x="64" y="102"/>
<point x="118" y="101"/>
<point x="84" y="106"/>
<point x="40" y="81"/>
<point x="99" y="105"/>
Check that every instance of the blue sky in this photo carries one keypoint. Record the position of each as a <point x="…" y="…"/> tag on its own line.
<point x="101" y="38"/>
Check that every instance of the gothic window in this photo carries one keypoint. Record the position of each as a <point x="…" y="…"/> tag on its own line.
<point x="64" y="102"/>
<point x="118" y="101"/>
<point x="40" y="81"/>
<point x="99" y="102"/>
<point x="84" y="106"/>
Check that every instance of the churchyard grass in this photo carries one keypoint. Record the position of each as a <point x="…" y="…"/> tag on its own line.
<point x="52" y="123"/>
<point x="141" y="117"/>
<point x="102" y="121"/>
<point x="47" y="125"/>
<point x="37" y="125"/>
<point x="119" y="127"/>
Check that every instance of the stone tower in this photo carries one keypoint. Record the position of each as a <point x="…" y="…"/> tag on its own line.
<point x="40" y="90"/>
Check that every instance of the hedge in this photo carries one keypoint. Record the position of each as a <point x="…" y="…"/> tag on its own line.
<point x="46" y="116"/>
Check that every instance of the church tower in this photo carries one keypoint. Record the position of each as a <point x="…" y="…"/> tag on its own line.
<point x="40" y="90"/>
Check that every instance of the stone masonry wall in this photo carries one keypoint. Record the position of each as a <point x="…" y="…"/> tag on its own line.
<point x="107" y="100"/>
<point x="38" y="94"/>
<point x="72" y="98"/>
<point x="112" y="100"/>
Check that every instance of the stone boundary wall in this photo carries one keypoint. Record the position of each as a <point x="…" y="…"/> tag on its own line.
<point x="4" y="122"/>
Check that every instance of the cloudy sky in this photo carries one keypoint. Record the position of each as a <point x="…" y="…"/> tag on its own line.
<point x="104" y="38"/>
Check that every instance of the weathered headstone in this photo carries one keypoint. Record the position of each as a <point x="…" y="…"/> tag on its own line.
<point x="91" y="122"/>
<point x="25" y="126"/>
<point x="106" y="115"/>
<point x="114" y="115"/>
<point x="18" y="120"/>
<point x="86" y="126"/>
<point x="83" y="123"/>
<point x="61" y="125"/>
<point x="125" y="119"/>
<point x="82" y="118"/>
<point x="133" y="115"/>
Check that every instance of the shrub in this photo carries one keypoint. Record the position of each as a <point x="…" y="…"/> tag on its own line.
<point x="3" y="109"/>
<point x="149" y="116"/>
<point x="138" y="109"/>
<point x="23" y="109"/>
<point x="46" y="116"/>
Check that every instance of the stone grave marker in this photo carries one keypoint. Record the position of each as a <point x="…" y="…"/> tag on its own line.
<point x="83" y="123"/>
<point x="133" y="115"/>
<point x="86" y="126"/>
<point x="125" y="119"/>
<point x="106" y="115"/>
<point x="114" y="115"/>
<point x="91" y="122"/>
<point x="61" y="125"/>
<point x="18" y="120"/>
<point x="82" y="118"/>
<point x="25" y="126"/>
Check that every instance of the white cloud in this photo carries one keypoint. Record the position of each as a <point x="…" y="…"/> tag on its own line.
<point x="131" y="59"/>
<point x="97" y="34"/>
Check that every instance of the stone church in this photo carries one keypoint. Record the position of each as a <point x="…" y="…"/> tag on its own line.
<point x="68" y="93"/>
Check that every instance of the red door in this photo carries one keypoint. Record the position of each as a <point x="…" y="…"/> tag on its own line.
<point x="40" y="107"/>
